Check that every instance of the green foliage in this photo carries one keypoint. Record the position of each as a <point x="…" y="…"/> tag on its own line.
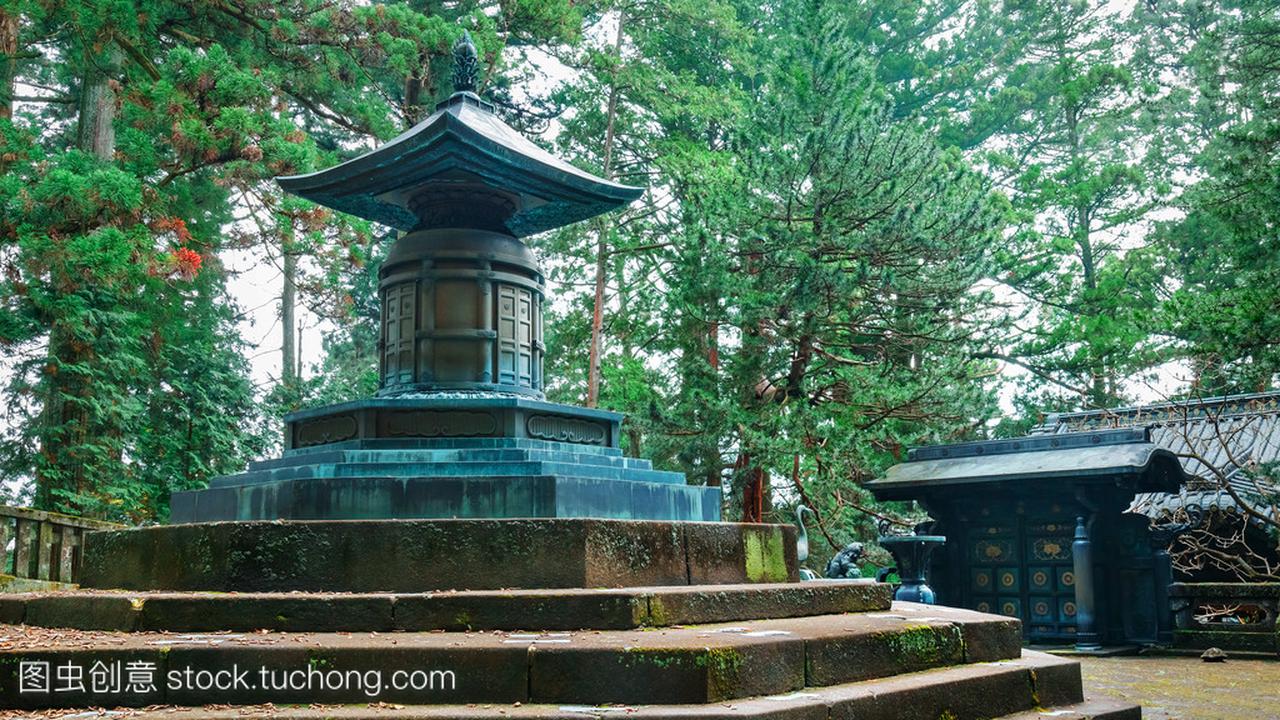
<point x="859" y="215"/>
<point x="1222" y="257"/>
<point x="150" y="147"/>
<point x="794" y="301"/>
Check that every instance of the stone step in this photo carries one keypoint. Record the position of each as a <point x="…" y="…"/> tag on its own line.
<point x="1090" y="709"/>
<point x="455" y="455"/>
<point x="572" y="609"/>
<point x="1032" y="681"/>
<point x="681" y="665"/>
<point x="465" y="468"/>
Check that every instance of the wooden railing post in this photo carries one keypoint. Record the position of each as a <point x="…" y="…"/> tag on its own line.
<point x="70" y="545"/>
<point x="6" y="534"/>
<point x="22" y="547"/>
<point x="44" y="546"/>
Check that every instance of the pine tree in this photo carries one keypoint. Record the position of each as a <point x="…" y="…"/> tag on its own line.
<point x="1222" y="257"/>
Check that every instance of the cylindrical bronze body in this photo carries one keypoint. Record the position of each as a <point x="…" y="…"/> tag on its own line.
<point x="461" y="311"/>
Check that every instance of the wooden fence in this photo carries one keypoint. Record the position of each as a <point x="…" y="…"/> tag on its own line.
<point x="46" y="545"/>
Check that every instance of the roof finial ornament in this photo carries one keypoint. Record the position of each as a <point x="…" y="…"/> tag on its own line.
<point x="465" y="64"/>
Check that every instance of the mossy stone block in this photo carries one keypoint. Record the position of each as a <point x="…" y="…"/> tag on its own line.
<point x="673" y="675"/>
<point x="85" y="611"/>
<point x="865" y="654"/>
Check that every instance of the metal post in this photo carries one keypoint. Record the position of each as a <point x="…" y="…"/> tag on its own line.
<point x="1082" y="551"/>
<point x="1163" y="571"/>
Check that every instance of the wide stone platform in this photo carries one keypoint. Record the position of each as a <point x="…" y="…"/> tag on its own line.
<point x="426" y="555"/>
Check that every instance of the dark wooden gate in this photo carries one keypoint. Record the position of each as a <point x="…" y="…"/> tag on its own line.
<point x="1023" y="568"/>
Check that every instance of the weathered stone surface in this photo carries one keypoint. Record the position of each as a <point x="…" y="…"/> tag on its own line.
<point x="425" y="555"/>
<point x="969" y="692"/>
<point x="676" y="673"/>
<point x="174" y="612"/>
<point x="758" y="553"/>
<point x="567" y="610"/>
<point x="1223" y="590"/>
<point x="712" y="603"/>
<point x="986" y="637"/>
<point x="698" y="664"/>
<point x="898" y="648"/>
<point x="1057" y="684"/>
<point x="1266" y="641"/>
<point x="561" y="609"/>
<point x="13" y="609"/>
<point x="86" y="612"/>
<point x="1093" y="709"/>
<point x="11" y="584"/>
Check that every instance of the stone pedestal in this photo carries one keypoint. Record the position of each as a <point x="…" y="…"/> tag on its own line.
<point x="432" y="555"/>
<point x="462" y="455"/>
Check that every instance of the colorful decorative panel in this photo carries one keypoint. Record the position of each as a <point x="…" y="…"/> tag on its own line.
<point x="1007" y="580"/>
<point x="1067" y="609"/>
<point x="1066" y="579"/>
<point x="994" y="550"/>
<point x="1040" y="579"/>
<point x="1010" y="606"/>
<point x="983" y="581"/>
<point x="1043" y="609"/>
<point x="1050" y="549"/>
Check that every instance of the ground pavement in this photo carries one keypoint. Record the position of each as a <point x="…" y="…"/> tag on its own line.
<point x="1182" y="688"/>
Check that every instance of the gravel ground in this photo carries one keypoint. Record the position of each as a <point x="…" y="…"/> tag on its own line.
<point x="1187" y="688"/>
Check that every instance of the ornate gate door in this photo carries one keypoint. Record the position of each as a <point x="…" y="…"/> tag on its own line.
<point x="1023" y="568"/>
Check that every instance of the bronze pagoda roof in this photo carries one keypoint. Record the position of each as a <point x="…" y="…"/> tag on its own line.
<point x="463" y="145"/>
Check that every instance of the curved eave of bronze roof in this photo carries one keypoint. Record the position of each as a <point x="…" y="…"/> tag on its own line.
<point x="462" y="138"/>
<point x="1149" y="467"/>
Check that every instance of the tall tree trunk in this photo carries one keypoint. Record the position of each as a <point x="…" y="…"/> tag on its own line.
<point x="288" y="319"/>
<point x="602" y="250"/>
<point x="96" y="133"/>
<point x="8" y="68"/>
<point x="288" y="305"/>
<point x="8" y="64"/>
<point x="66" y="423"/>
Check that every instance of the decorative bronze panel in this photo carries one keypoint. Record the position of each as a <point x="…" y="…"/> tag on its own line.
<point x="983" y="581"/>
<point x="516" y="336"/>
<point x="1040" y="579"/>
<point x="1010" y="607"/>
<point x="440" y="423"/>
<point x="325" y="430"/>
<point x="1056" y="549"/>
<point x="398" y="318"/>
<point x="996" y="550"/>
<point x="1043" y="610"/>
<point x="1007" y="580"/>
<point x="553" y="427"/>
